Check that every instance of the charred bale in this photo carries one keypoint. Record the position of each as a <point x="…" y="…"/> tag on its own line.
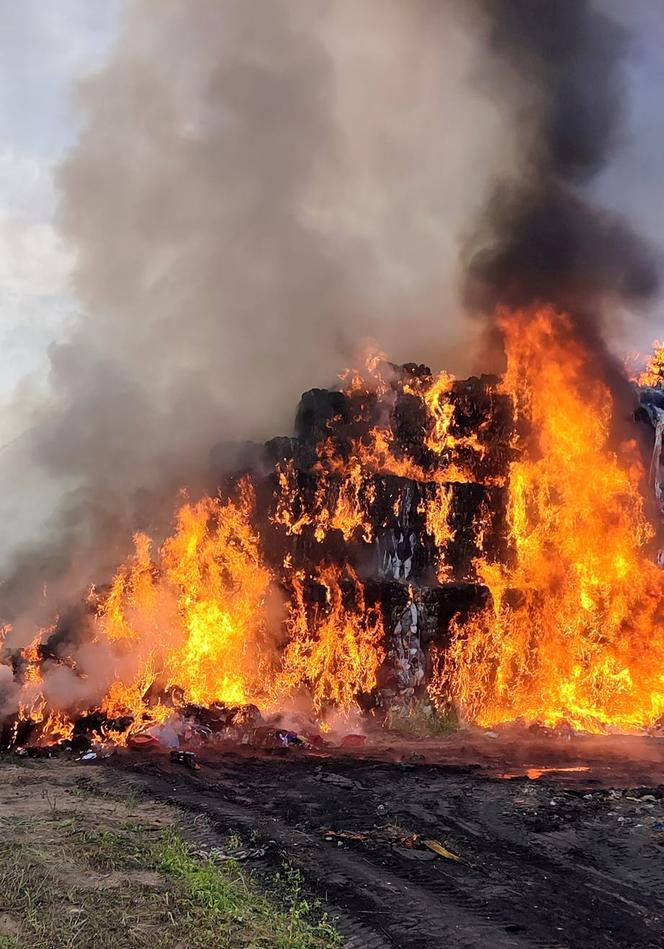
<point x="317" y="410"/>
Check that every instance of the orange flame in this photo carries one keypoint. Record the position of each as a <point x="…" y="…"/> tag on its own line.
<point x="337" y="651"/>
<point x="196" y="619"/>
<point x="193" y="623"/>
<point x="576" y="628"/>
<point x="653" y="373"/>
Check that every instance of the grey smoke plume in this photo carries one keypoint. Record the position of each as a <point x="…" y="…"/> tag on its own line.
<point x="258" y="187"/>
<point x="540" y="237"/>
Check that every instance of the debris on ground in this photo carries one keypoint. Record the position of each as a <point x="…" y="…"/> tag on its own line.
<point x="353" y="741"/>
<point x="186" y="758"/>
<point x="394" y="836"/>
<point x="438" y="848"/>
<point x="142" y="741"/>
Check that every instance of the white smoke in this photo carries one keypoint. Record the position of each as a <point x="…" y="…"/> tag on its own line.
<point x="257" y="187"/>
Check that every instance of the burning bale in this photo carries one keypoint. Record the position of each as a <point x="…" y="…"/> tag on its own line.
<point x="470" y="543"/>
<point x="363" y="531"/>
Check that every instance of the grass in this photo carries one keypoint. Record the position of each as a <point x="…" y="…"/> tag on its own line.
<point x="71" y="878"/>
<point x="422" y="720"/>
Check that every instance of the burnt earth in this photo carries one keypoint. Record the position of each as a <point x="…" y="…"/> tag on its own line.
<point x="547" y="863"/>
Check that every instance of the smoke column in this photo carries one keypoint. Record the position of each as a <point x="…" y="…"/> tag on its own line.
<point x="260" y="186"/>
<point x="257" y="188"/>
<point x="539" y="237"/>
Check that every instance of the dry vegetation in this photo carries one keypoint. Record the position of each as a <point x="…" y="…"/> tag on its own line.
<point x="81" y="869"/>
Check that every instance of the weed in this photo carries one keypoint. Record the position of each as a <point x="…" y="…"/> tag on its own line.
<point x="81" y="882"/>
<point x="229" y="894"/>
<point x="234" y="842"/>
<point x="422" y="720"/>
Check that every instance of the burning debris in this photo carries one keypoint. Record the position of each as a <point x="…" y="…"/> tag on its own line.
<point x="478" y="544"/>
<point x="322" y="581"/>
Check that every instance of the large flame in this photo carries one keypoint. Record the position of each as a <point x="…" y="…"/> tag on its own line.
<point x="198" y="621"/>
<point x="575" y="631"/>
<point x="335" y="653"/>
<point x="195" y="618"/>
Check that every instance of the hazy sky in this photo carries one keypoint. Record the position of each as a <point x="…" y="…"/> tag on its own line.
<point x="45" y="47"/>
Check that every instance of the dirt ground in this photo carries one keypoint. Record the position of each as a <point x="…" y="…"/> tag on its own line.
<point x="564" y="858"/>
<point x="87" y="865"/>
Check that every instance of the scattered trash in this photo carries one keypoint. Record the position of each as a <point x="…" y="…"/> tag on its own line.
<point x="96" y="723"/>
<point x="381" y="810"/>
<point x="347" y="835"/>
<point x="395" y="836"/>
<point x="290" y="738"/>
<point x="37" y="751"/>
<point x="277" y="738"/>
<point x="659" y="825"/>
<point x="220" y="721"/>
<point x="142" y="741"/>
<point x="218" y="855"/>
<point x="166" y="734"/>
<point x="80" y="743"/>
<point x="187" y="758"/>
<point x="88" y="756"/>
<point x="316" y="740"/>
<point x="438" y="848"/>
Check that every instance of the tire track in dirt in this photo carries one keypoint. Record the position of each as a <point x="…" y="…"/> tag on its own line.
<point x="519" y="886"/>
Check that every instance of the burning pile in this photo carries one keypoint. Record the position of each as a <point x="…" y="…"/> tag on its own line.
<point x="482" y="540"/>
<point x="575" y="628"/>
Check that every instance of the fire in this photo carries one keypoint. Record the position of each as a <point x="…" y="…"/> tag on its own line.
<point x="195" y="619"/>
<point x="653" y="373"/>
<point x="575" y="631"/>
<point x="198" y="621"/>
<point x="335" y="648"/>
<point x="349" y="492"/>
<point x="344" y="466"/>
<point x="437" y="512"/>
<point x="225" y="610"/>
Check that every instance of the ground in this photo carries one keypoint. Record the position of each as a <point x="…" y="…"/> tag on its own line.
<point x="560" y="859"/>
<point x="84" y="866"/>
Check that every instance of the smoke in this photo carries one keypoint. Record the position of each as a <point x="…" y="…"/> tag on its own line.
<point x="257" y="188"/>
<point x="540" y="238"/>
<point x="260" y="187"/>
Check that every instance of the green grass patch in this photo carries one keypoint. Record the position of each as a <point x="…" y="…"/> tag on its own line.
<point x="68" y="884"/>
<point x="226" y="893"/>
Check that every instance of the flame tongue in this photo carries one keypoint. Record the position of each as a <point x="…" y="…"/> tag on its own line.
<point x="583" y="638"/>
<point x="195" y="620"/>
<point x="574" y="629"/>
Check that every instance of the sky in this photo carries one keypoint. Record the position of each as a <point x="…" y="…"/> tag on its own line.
<point x="634" y="181"/>
<point x="47" y="46"/>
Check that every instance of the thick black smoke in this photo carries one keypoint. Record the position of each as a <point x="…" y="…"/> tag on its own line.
<point x="540" y="239"/>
